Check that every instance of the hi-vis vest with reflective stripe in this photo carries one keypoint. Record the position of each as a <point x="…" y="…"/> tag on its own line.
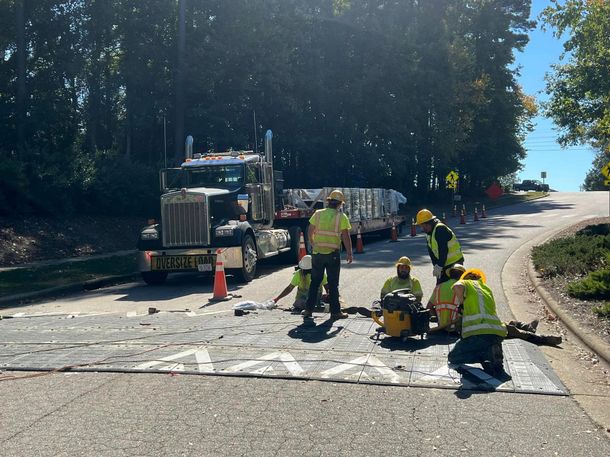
<point x="444" y="302"/>
<point x="480" y="316"/>
<point x="327" y="235"/>
<point x="454" y="250"/>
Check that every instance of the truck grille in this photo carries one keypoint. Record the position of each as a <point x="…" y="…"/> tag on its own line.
<point x="184" y="220"/>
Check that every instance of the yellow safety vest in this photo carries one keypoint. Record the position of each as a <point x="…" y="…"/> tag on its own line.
<point x="443" y="299"/>
<point x="480" y="316"/>
<point x="454" y="250"/>
<point x="327" y="234"/>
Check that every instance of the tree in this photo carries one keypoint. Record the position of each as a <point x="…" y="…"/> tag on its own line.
<point x="579" y="89"/>
<point x="594" y="179"/>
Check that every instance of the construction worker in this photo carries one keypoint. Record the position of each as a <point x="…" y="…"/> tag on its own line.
<point x="443" y="246"/>
<point x="402" y="280"/>
<point x="443" y="304"/>
<point x="301" y="279"/>
<point x="442" y="301"/>
<point x="482" y="329"/>
<point x="327" y="227"/>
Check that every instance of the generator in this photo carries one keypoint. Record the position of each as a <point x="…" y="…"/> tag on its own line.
<point x="402" y="315"/>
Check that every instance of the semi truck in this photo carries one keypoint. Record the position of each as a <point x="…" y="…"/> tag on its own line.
<point x="233" y="204"/>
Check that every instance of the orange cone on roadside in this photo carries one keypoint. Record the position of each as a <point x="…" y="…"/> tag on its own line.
<point x="483" y="213"/>
<point x="462" y="218"/>
<point x="413" y="228"/>
<point x="221" y="291"/>
<point x="359" y="245"/>
<point x="302" y="250"/>
<point x="394" y="232"/>
<point x="476" y="214"/>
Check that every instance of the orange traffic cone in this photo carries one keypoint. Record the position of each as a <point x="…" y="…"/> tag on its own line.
<point x="476" y="214"/>
<point x="483" y="213"/>
<point x="464" y="209"/>
<point x="394" y="236"/>
<point x="221" y="292"/>
<point x="462" y="218"/>
<point x="413" y="228"/>
<point x="302" y="250"/>
<point x="359" y="245"/>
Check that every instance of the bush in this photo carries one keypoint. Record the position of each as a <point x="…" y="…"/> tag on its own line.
<point x="572" y="256"/>
<point x="596" y="285"/>
<point x="603" y="310"/>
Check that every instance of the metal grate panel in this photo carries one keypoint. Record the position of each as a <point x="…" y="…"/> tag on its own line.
<point x="185" y="221"/>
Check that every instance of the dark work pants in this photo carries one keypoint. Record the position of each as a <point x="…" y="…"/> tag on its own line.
<point x="474" y="349"/>
<point x="332" y="264"/>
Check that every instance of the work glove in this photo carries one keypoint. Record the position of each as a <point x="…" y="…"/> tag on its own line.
<point x="437" y="271"/>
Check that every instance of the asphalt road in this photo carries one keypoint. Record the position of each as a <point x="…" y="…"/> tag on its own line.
<point x="163" y="414"/>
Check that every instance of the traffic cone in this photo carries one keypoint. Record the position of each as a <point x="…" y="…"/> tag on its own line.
<point x="462" y="218"/>
<point x="221" y="293"/>
<point x="394" y="232"/>
<point x="413" y="227"/>
<point x="454" y="213"/>
<point x="476" y="214"/>
<point x="464" y="209"/>
<point x="359" y="245"/>
<point x="484" y="213"/>
<point x="302" y="250"/>
<point x="444" y="219"/>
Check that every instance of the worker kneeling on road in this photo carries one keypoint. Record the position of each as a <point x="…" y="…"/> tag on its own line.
<point x="403" y="280"/>
<point x="301" y="279"/>
<point x="442" y="304"/>
<point x="482" y="329"/>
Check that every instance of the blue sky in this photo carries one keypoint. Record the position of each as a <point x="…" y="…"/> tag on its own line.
<point x="566" y="168"/>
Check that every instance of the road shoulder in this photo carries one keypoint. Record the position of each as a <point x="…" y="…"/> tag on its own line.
<point x="584" y="372"/>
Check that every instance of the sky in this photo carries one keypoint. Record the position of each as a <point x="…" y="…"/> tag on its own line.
<point x="565" y="168"/>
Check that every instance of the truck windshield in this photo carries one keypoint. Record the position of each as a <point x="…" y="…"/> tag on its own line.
<point x="225" y="176"/>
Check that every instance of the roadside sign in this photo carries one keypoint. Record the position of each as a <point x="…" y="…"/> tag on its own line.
<point x="452" y="179"/>
<point x="543" y="175"/>
<point x="606" y="170"/>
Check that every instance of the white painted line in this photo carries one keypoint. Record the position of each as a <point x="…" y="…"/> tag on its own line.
<point x="132" y="314"/>
<point x="204" y="361"/>
<point x="19" y="314"/>
<point x="356" y="363"/>
<point x="173" y="367"/>
<point x="383" y="369"/>
<point x="145" y="366"/>
<point x="443" y="373"/>
<point x="286" y="358"/>
<point x="191" y="314"/>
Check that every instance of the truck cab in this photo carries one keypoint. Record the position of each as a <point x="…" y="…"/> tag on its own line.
<point x="218" y="204"/>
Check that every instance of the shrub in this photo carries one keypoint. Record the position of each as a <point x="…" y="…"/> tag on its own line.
<point x="603" y="310"/>
<point x="596" y="285"/>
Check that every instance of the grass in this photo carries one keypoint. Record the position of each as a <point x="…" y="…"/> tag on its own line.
<point x="24" y="280"/>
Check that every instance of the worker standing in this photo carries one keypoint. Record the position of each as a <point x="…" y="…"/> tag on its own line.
<point x="482" y="329"/>
<point x="327" y="227"/>
<point x="403" y="280"/>
<point x="443" y="246"/>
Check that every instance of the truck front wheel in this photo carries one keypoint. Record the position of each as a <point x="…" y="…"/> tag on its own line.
<point x="249" y="257"/>
<point x="154" y="278"/>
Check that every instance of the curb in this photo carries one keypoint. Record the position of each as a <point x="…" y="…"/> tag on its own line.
<point x="65" y="289"/>
<point x="595" y="344"/>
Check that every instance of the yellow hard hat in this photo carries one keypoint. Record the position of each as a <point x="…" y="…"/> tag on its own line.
<point x="476" y="272"/>
<point x="423" y="216"/>
<point x="404" y="260"/>
<point x="336" y="195"/>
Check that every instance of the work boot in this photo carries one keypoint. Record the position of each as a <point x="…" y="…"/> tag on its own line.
<point x="307" y="314"/>
<point x="495" y="365"/>
<point x="339" y="315"/>
<point x="531" y="327"/>
<point x="547" y="340"/>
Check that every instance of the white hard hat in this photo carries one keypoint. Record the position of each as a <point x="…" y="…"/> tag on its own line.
<point x="305" y="263"/>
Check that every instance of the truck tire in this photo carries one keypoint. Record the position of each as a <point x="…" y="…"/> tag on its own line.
<point x="154" y="278"/>
<point x="249" y="256"/>
<point x="292" y="256"/>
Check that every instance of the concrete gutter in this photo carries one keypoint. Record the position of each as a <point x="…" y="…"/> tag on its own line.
<point x="593" y="342"/>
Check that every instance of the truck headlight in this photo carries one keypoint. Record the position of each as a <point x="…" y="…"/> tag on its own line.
<point x="149" y="234"/>
<point x="224" y="231"/>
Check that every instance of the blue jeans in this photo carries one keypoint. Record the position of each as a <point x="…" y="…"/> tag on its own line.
<point x="474" y="349"/>
<point x="332" y="264"/>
